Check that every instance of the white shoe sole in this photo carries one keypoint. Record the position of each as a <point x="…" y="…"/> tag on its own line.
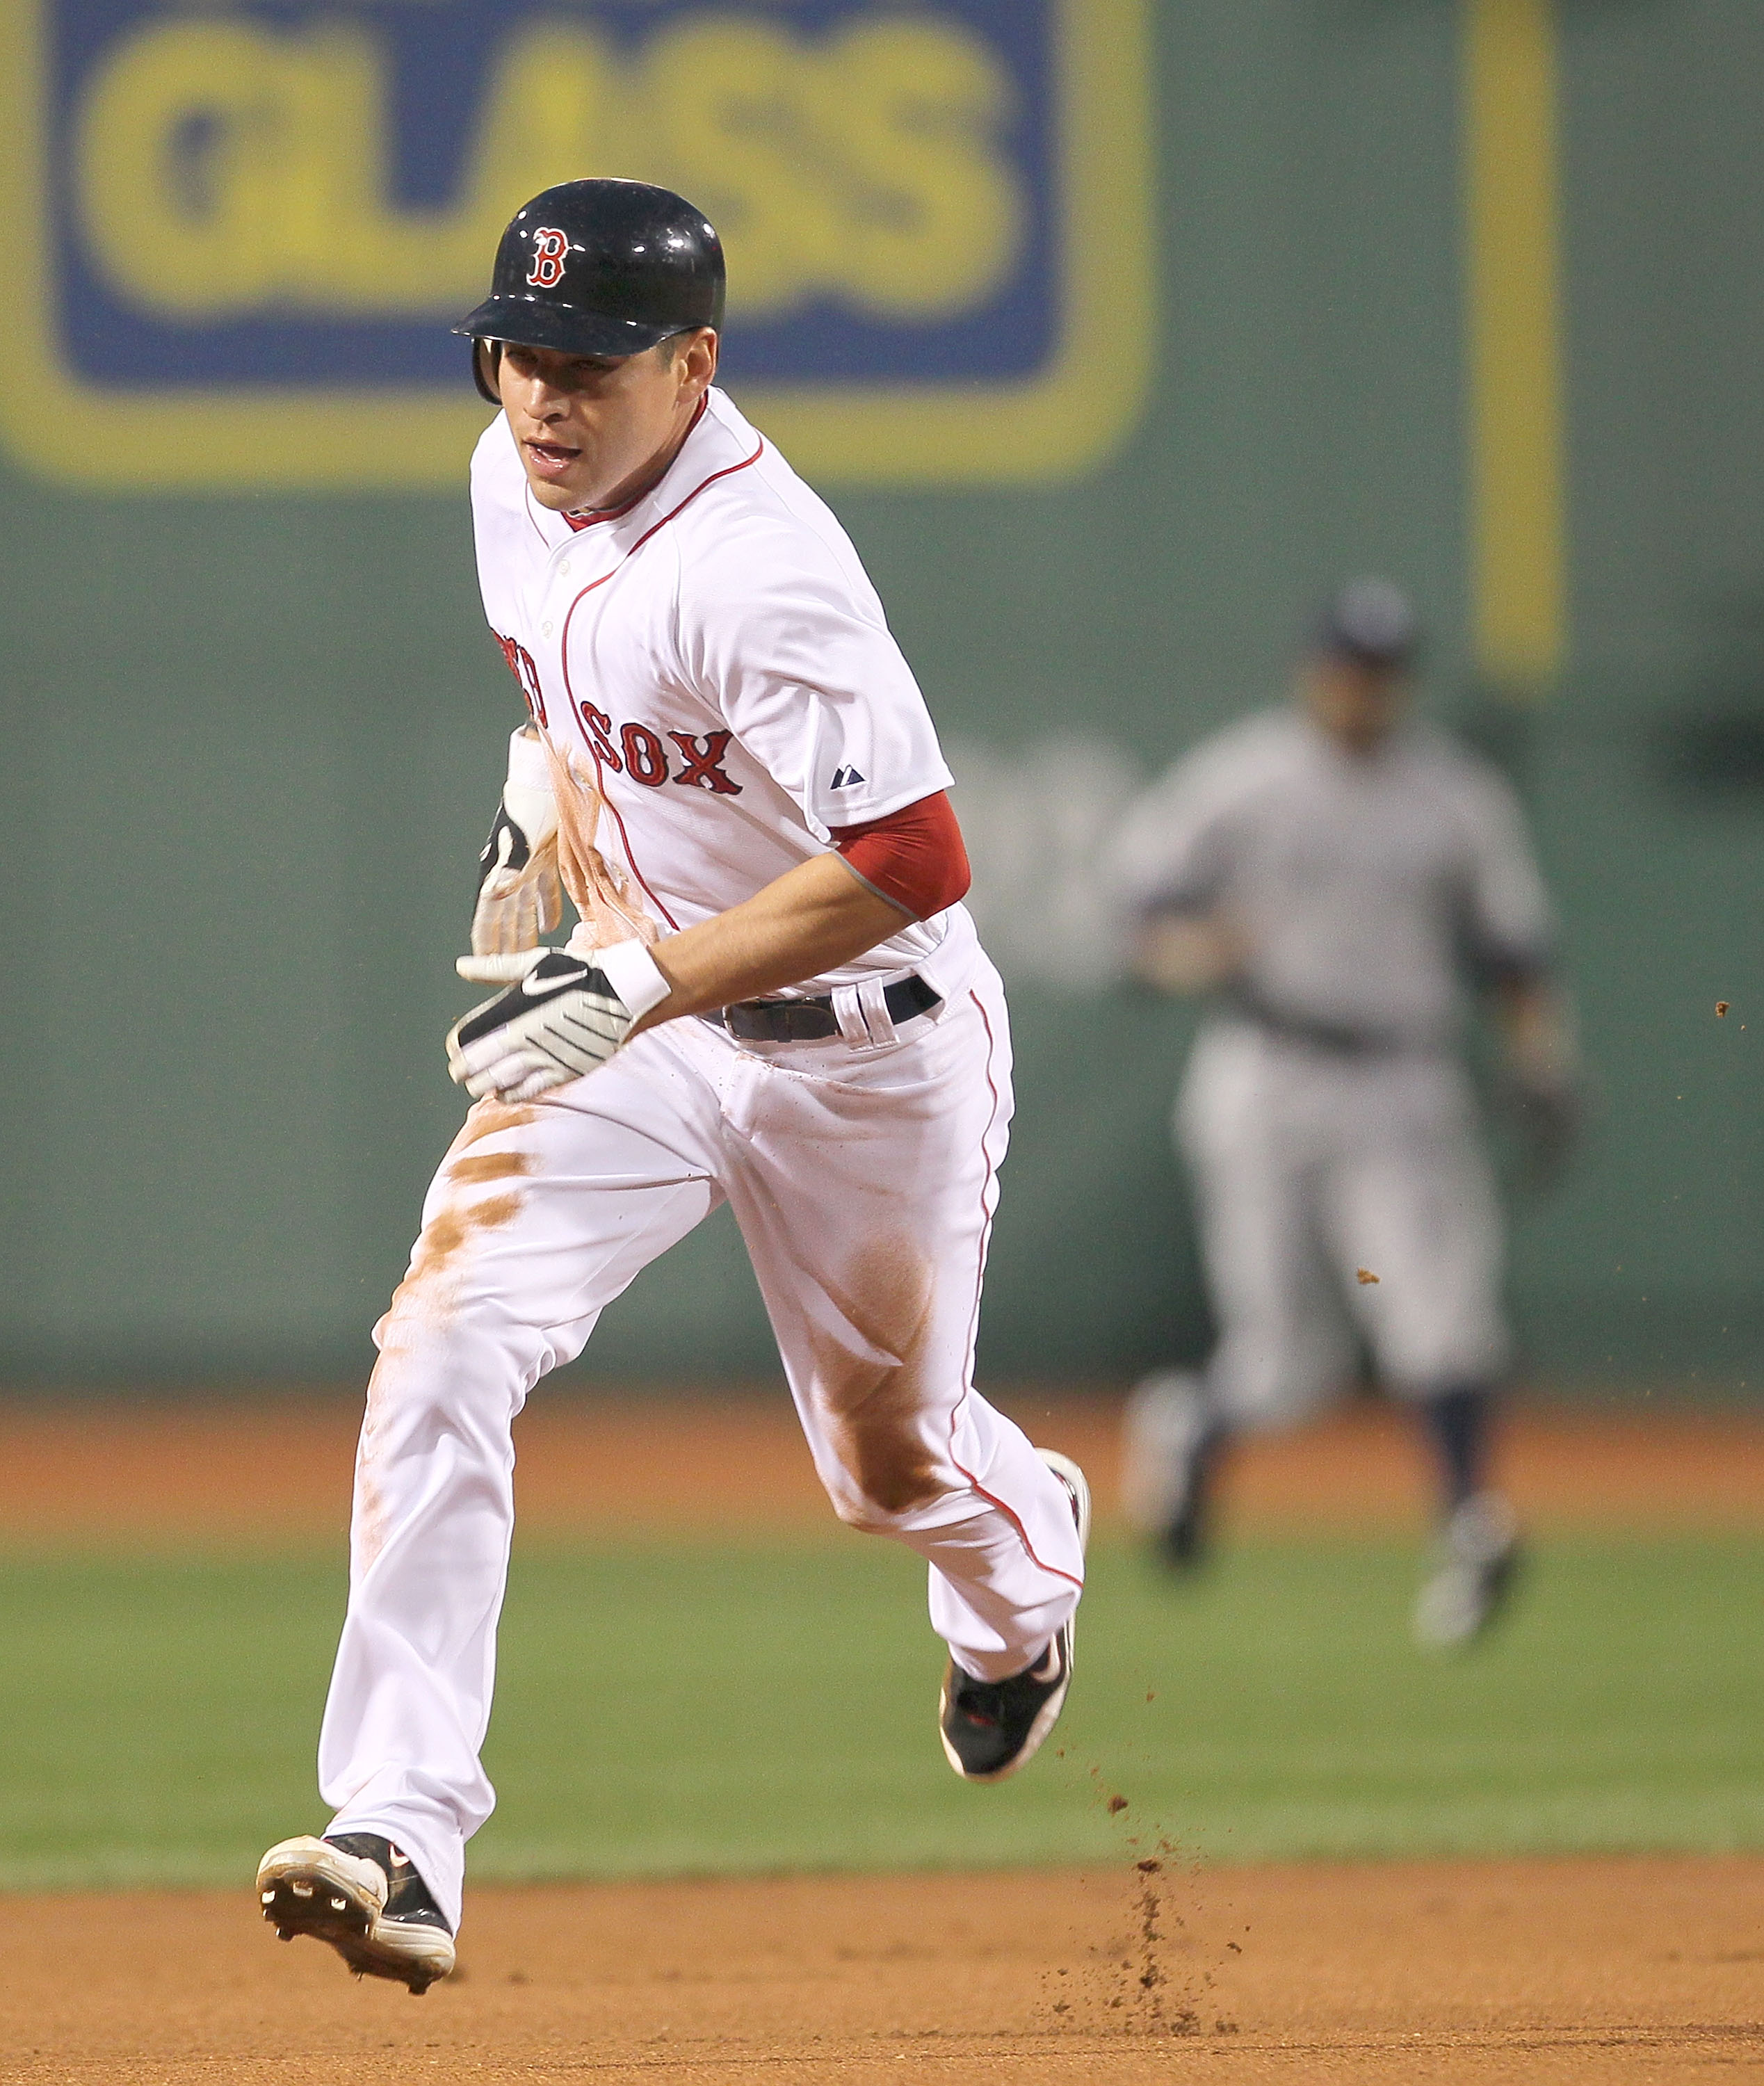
<point x="307" y="1886"/>
<point x="1079" y="1486"/>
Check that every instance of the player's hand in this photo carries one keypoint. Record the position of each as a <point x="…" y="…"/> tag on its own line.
<point x="1545" y="1087"/>
<point x="560" y="1021"/>
<point x="1183" y="953"/>
<point x="520" y="899"/>
<point x="562" y="1015"/>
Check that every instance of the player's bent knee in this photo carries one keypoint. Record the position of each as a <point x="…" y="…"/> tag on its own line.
<point x="876" y="1496"/>
<point x="889" y="1471"/>
<point x="857" y="1514"/>
<point x="876" y="1502"/>
<point x="1264" y="1397"/>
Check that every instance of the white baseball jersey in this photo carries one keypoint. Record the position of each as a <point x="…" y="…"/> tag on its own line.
<point x="1363" y="885"/>
<point x="713" y="675"/>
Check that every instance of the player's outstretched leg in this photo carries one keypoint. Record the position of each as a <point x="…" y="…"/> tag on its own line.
<point x="1478" y="1546"/>
<point x="990" y="1728"/>
<point x="1172" y="1441"/>
<point x="357" y="1891"/>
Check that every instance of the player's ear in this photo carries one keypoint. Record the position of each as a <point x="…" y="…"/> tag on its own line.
<point x="486" y="363"/>
<point x="694" y="355"/>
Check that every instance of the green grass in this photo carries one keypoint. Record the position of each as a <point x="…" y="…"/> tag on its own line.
<point x="714" y="1708"/>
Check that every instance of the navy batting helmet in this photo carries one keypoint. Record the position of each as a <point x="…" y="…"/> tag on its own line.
<point x="599" y="267"/>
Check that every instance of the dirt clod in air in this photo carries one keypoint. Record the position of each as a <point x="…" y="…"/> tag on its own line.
<point x="1363" y="1275"/>
<point x="1158" y="2011"/>
<point x="1151" y="1976"/>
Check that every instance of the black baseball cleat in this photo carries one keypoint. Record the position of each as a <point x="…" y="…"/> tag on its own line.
<point x="358" y="1892"/>
<point x="991" y="1728"/>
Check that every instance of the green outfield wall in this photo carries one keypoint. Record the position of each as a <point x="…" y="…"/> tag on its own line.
<point x="254" y="722"/>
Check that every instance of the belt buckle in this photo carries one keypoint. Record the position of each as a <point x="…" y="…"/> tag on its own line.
<point x="804" y="1020"/>
<point x="777" y="1020"/>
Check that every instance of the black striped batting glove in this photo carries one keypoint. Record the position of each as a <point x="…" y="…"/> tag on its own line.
<point x="563" y="1019"/>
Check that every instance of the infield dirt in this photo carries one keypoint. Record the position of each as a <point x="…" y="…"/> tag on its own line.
<point x="1642" y="1969"/>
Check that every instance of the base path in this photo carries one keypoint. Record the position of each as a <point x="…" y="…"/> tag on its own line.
<point x="1583" y="1971"/>
<point x="594" y="1464"/>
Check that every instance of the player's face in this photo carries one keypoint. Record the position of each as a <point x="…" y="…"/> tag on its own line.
<point x="591" y="429"/>
<point x="1357" y="705"/>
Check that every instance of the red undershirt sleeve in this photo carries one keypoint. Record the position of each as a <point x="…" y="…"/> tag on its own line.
<point x="914" y="857"/>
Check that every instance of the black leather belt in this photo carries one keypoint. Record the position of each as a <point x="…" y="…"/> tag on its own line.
<point x="813" y="1021"/>
<point x="1336" y="1041"/>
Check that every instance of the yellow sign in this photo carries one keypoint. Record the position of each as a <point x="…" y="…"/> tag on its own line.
<point x="1518" y="508"/>
<point x="238" y="238"/>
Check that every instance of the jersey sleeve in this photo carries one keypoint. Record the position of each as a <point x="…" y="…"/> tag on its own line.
<point x="498" y="488"/>
<point x="1508" y="927"/>
<point x="914" y="858"/>
<point x="800" y="662"/>
<point x="1173" y="852"/>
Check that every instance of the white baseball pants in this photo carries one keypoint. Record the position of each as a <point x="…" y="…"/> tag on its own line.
<point x="1310" y="1165"/>
<point x="864" y="1182"/>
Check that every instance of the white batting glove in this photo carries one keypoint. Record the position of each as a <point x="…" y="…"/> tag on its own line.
<point x="519" y="897"/>
<point x="566" y="1017"/>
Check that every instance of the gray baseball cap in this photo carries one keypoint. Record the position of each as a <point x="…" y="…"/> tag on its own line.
<point x="1372" y="623"/>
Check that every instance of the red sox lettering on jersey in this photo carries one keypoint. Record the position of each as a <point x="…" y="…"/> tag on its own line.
<point x="696" y="764"/>
<point x="521" y="667"/>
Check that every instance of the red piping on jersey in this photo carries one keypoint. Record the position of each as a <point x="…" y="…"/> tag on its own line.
<point x="596" y="515"/>
<point x="988" y="1204"/>
<point x="728" y="470"/>
<point x="624" y="841"/>
<point x="579" y="522"/>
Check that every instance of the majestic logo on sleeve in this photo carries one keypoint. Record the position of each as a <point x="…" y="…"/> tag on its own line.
<point x="549" y="247"/>
<point x="843" y="778"/>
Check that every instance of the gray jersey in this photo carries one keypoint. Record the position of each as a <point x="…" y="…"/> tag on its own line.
<point x="1366" y="887"/>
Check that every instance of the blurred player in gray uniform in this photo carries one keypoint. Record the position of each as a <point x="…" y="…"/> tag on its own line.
<point x="1335" y="876"/>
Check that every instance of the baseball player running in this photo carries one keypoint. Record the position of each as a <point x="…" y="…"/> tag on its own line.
<point x="1333" y="875"/>
<point x="773" y="998"/>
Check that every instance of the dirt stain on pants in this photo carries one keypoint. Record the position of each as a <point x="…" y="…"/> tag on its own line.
<point x="874" y="1409"/>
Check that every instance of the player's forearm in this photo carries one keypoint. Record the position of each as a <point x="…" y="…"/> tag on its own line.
<point x="1537" y="1025"/>
<point x="811" y="919"/>
<point x="1187" y="952"/>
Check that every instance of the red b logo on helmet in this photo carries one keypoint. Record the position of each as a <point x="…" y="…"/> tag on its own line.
<point x="549" y="247"/>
